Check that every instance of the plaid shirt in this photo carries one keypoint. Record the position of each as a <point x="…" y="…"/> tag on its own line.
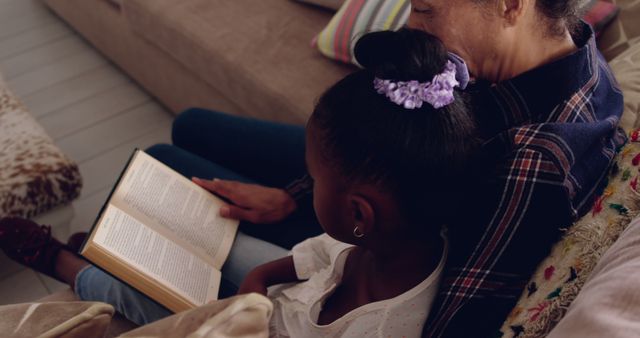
<point x="551" y="136"/>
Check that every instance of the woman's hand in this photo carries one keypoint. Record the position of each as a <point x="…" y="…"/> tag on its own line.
<point x="251" y="202"/>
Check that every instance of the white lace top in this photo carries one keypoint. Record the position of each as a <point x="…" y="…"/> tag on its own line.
<point x="321" y="261"/>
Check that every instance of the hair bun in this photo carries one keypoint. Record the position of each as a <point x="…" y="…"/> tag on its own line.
<point x="378" y="48"/>
<point x="406" y="54"/>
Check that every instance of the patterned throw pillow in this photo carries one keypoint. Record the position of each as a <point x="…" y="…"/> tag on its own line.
<point x="354" y="19"/>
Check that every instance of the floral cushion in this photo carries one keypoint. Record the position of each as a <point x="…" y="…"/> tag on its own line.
<point x="560" y="277"/>
<point x="35" y="176"/>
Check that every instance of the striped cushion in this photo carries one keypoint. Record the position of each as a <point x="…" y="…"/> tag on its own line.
<point x="354" y="19"/>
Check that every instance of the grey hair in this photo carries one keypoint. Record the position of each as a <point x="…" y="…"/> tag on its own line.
<point x="563" y="15"/>
<point x="560" y="16"/>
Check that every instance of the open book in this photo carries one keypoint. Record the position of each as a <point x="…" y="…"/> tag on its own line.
<point x="162" y="234"/>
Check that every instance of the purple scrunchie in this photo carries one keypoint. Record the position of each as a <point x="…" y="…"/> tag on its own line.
<point x="462" y="71"/>
<point x="438" y="92"/>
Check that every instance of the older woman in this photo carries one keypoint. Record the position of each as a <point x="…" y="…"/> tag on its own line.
<point x="547" y="106"/>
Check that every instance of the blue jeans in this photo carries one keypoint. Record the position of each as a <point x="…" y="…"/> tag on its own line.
<point x="208" y="144"/>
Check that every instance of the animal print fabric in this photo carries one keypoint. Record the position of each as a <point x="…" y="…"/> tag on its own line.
<point x="35" y="176"/>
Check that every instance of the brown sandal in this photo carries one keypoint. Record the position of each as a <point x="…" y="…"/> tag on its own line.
<point x="30" y="244"/>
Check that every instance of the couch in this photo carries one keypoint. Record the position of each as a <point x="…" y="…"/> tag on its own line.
<point x="244" y="57"/>
<point x="244" y="316"/>
<point x="254" y="58"/>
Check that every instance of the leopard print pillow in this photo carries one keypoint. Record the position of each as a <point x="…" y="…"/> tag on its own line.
<point x="35" y="176"/>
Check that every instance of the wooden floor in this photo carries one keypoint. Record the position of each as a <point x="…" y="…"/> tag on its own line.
<point x="93" y="111"/>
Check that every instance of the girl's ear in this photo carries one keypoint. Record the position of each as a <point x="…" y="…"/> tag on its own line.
<point x="363" y="215"/>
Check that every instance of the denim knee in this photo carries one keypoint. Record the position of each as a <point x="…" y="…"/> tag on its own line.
<point x="161" y="152"/>
<point x="92" y="284"/>
<point x="186" y="124"/>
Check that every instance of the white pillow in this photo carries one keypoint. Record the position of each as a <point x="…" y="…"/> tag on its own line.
<point x="609" y="303"/>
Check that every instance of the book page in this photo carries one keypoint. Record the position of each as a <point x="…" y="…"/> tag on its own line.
<point x="160" y="197"/>
<point x="157" y="257"/>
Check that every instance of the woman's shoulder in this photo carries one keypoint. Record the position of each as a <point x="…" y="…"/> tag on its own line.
<point x="578" y="88"/>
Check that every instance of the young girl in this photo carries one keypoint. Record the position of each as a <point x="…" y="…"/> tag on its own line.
<point x="387" y="147"/>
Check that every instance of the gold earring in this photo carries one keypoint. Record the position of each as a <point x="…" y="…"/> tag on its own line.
<point x="357" y="233"/>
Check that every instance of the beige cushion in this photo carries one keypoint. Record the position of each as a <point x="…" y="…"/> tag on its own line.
<point x="609" y="303"/>
<point x="35" y="176"/>
<point x="56" y="319"/>
<point x="245" y="316"/>
<point x="623" y="32"/>
<point x="118" y="325"/>
<point x="626" y="68"/>
<point x="256" y="53"/>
